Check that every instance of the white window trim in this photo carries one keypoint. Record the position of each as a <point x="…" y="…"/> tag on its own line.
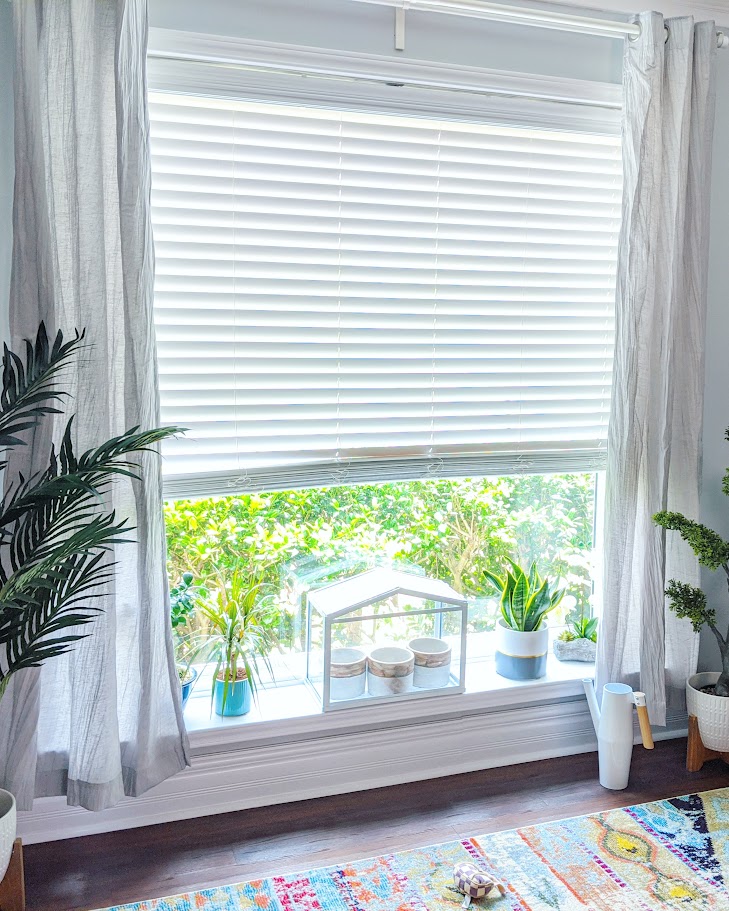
<point x="177" y="62"/>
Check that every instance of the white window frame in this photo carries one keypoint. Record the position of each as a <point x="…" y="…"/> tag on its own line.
<point x="190" y="64"/>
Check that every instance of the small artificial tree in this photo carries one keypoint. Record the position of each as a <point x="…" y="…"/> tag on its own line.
<point x="689" y="602"/>
<point x="56" y="532"/>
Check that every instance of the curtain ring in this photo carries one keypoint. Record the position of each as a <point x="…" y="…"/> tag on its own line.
<point x="666" y="35"/>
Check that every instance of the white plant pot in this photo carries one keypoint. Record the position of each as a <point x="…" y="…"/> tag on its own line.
<point x="8" y="829"/>
<point x="432" y="662"/>
<point x="712" y="712"/>
<point x="390" y="671"/>
<point x="521" y="656"/>
<point x="348" y="673"/>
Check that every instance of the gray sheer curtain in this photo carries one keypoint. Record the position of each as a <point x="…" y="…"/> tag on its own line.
<point x="654" y="456"/>
<point x="104" y="721"/>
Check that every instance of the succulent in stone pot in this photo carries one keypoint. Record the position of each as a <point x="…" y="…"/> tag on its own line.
<point x="578" y="642"/>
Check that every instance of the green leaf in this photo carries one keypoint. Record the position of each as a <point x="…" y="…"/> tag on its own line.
<point x="497" y="582"/>
<point x="518" y="601"/>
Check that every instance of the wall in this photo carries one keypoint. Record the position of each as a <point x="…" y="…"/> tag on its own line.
<point x="361" y="28"/>
<point x="7" y="169"/>
<point x="340" y="25"/>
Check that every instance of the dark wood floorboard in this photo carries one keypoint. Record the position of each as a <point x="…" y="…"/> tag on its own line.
<point x="101" y="870"/>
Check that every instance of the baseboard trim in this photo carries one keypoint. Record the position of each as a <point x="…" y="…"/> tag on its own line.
<point x="239" y="779"/>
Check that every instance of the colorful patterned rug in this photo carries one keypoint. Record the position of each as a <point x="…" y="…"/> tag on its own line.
<point x="672" y="854"/>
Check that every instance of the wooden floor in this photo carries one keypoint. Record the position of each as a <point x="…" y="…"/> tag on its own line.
<point x="101" y="870"/>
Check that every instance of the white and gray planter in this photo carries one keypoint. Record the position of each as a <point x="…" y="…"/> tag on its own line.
<point x="8" y="829"/>
<point x="575" y="650"/>
<point x="521" y="656"/>
<point x="712" y="712"/>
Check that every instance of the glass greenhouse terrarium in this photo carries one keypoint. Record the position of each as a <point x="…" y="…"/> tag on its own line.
<point x="385" y="634"/>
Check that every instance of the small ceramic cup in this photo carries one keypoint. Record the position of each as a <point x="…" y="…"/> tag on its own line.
<point x="348" y="673"/>
<point x="432" y="662"/>
<point x="390" y="670"/>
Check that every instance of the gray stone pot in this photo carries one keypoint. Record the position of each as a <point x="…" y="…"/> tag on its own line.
<point x="576" y="650"/>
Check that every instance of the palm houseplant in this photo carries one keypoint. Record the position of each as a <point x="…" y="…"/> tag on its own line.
<point x="55" y="530"/>
<point x="240" y="632"/>
<point x="522" y="635"/>
<point x="578" y="642"/>
<point x="707" y="694"/>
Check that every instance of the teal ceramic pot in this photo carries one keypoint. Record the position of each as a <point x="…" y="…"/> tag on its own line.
<point x="187" y="686"/>
<point x="237" y="699"/>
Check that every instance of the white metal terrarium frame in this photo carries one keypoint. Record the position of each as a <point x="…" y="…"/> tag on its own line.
<point x="333" y="603"/>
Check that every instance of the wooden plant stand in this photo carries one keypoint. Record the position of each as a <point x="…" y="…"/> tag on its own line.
<point x="696" y="753"/>
<point x="12" y="888"/>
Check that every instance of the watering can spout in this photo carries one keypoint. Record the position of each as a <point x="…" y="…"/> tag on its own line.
<point x="592" y="701"/>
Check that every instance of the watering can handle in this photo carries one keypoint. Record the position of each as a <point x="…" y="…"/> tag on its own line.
<point x="643" y="720"/>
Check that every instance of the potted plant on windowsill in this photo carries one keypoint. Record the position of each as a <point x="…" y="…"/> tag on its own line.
<point x="707" y="694"/>
<point x="183" y="601"/>
<point x="55" y="528"/>
<point x="522" y="635"/>
<point x="239" y="634"/>
<point x="578" y="642"/>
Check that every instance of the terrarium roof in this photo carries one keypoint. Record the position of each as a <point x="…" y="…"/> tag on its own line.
<point x="346" y="595"/>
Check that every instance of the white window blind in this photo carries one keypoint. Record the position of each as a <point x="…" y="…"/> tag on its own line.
<point x="346" y="296"/>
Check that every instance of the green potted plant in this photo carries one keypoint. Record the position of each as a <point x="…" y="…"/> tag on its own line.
<point x="578" y="642"/>
<point x="55" y="530"/>
<point x="522" y="635"/>
<point x="706" y="693"/>
<point x="240" y="617"/>
<point x="183" y="601"/>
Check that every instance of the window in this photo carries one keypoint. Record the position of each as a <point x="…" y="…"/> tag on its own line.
<point x="345" y="296"/>
<point x="390" y="333"/>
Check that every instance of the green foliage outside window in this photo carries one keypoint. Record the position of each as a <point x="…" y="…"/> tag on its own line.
<point x="452" y="529"/>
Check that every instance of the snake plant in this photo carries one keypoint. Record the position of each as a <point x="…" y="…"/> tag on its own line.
<point x="55" y="532"/>
<point x="526" y="598"/>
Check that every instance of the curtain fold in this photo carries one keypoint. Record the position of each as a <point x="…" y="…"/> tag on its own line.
<point x="105" y="720"/>
<point x="654" y="441"/>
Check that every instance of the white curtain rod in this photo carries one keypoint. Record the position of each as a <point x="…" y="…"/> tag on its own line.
<point x="501" y="12"/>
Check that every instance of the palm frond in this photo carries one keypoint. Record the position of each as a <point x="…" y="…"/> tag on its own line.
<point x="30" y="387"/>
<point x="36" y="635"/>
<point x="47" y="510"/>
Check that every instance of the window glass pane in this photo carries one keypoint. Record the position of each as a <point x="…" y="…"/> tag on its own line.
<point x="452" y="530"/>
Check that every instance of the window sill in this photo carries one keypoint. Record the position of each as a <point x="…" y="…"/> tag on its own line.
<point x="293" y="713"/>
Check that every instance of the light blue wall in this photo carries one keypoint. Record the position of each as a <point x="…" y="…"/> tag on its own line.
<point x="363" y="28"/>
<point x="6" y="159"/>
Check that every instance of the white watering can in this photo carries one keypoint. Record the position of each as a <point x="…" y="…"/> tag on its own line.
<point x="614" y="729"/>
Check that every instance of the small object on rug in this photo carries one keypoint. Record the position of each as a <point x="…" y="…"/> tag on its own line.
<point x="475" y="883"/>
